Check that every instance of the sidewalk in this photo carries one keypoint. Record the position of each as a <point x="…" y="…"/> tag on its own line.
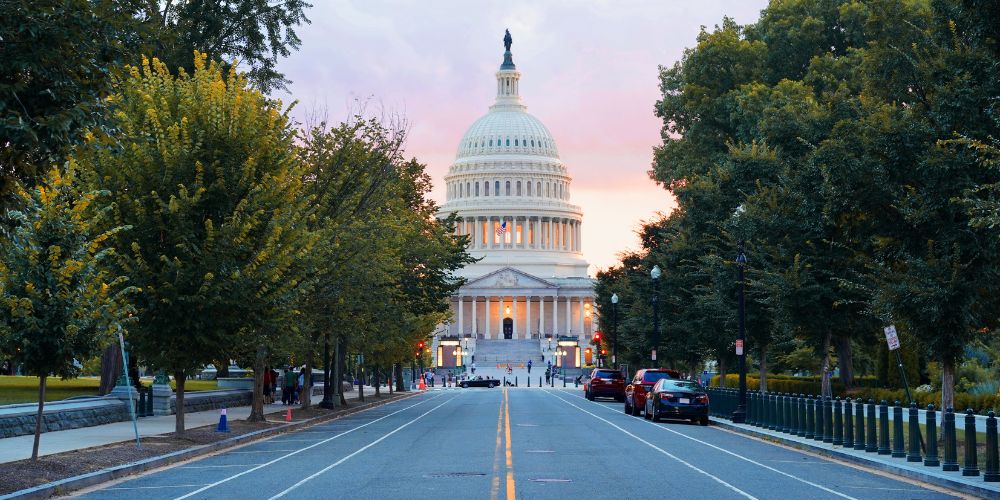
<point x="19" y="447"/>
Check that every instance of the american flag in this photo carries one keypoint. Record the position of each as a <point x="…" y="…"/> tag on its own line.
<point x="502" y="229"/>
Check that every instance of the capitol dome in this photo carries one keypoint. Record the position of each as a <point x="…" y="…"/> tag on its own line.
<point x="511" y="192"/>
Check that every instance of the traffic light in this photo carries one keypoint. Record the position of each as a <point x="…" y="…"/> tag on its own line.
<point x="597" y="337"/>
<point x="420" y="345"/>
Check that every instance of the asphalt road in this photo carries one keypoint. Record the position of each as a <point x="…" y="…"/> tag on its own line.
<point x="515" y="443"/>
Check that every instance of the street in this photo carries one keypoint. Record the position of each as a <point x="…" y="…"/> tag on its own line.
<point x="509" y="443"/>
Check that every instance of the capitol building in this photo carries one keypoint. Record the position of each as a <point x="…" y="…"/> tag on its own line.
<point x="529" y="296"/>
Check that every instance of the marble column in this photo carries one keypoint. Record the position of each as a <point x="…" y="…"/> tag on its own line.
<point x="514" y="315"/>
<point x="487" y="317"/>
<point x="461" y="317"/>
<point x="582" y="324"/>
<point x="527" y="316"/>
<point x="475" y="317"/>
<point x="569" y="315"/>
<point x="555" y="314"/>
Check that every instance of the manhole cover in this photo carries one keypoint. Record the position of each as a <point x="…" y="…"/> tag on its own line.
<point x="539" y="451"/>
<point x="455" y="474"/>
<point x="550" y="480"/>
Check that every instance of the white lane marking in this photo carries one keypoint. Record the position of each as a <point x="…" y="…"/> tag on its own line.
<point x="300" y="450"/>
<point x="710" y="445"/>
<point x="152" y="487"/>
<point x="260" y="451"/>
<point x="657" y="448"/>
<point x="352" y="455"/>
<point x="214" y="467"/>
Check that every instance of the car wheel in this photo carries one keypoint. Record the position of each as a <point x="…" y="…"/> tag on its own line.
<point x="588" y="395"/>
<point x="491" y="385"/>
<point x="465" y="385"/>
<point x="703" y="421"/>
<point x="636" y="411"/>
<point x="628" y="409"/>
<point x="648" y="413"/>
<point x="656" y="416"/>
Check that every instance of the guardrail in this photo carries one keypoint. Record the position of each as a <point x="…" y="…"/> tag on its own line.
<point x="862" y="425"/>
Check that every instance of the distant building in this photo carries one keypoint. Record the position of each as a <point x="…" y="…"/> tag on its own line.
<point x="512" y="196"/>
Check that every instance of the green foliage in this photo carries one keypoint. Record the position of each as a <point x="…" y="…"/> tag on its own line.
<point x="57" y="301"/>
<point x="795" y="385"/>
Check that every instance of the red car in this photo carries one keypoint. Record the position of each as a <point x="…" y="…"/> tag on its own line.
<point x="635" y="393"/>
<point x="605" y="383"/>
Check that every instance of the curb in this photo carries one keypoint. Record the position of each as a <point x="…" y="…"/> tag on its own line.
<point x="69" y="484"/>
<point x="927" y="477"/>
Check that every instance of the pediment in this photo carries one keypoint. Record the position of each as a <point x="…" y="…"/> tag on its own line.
<point x="508" y="277"/>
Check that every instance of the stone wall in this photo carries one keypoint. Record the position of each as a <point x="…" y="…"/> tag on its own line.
<point x="19" y="420"/>
<point x="212" y="400"/>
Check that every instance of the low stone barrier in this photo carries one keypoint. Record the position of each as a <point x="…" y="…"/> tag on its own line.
<point x="19" y="420"/>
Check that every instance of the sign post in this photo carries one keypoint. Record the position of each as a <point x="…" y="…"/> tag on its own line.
<point x="131" y="402"/>
<point x="892" y="339"/>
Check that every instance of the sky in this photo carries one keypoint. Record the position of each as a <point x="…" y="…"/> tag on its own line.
<point x="589" y="72"/>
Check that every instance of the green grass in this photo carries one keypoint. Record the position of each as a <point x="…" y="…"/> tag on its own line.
<point x="16" y="389"/>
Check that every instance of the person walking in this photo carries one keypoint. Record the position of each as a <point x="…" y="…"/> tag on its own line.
<point x="473" y="367"/>
<point x="266" y="382"/>
<point x="529" y="367"/>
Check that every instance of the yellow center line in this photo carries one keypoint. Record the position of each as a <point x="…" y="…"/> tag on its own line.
<point x="495" y="484"/>
<point x="510" y="465"/>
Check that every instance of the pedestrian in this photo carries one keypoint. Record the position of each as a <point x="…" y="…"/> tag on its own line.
<point x="300" y="385"/>
<point x="288" y="388"/>
<point x="547" y="375"/>
<point x="274" y="383"/>
<point x="529" y="367"/>
<point x="266" y="379"/>
<point x="473" y="367"/>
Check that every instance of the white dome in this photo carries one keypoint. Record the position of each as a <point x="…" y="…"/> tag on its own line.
<point x="507" y="130"/>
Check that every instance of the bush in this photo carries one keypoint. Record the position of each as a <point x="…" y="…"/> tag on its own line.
<point x="792" y="384"/>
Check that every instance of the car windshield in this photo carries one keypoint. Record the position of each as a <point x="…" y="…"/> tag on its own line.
<point x="608" y="374"/>
<point x="682" y="385"/>
<point x="652" y="377"/>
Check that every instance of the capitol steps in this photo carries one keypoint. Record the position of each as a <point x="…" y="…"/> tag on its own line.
<point x="492" y="352"/>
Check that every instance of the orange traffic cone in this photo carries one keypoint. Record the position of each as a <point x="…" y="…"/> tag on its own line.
<point x="288" y="415"/>
<point x="422" y="385"/>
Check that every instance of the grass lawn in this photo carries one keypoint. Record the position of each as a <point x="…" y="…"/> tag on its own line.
<point x="14" y="389"/>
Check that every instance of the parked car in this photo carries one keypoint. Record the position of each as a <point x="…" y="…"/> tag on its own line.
<point x="605" y="383"/>
<point x="684" y="399"/>
<point x="642" y="382"/>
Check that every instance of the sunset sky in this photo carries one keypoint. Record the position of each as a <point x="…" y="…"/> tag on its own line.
<point x="588" y="71"/>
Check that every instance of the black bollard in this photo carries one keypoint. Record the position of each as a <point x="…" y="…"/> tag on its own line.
<point x="971" y="459"/>
<point x="797" y="414"/>
<point x="810" y="418"/>
<point x="883" y="428"/>
<point x="751" y="407"/>
<point x="914" y="437"/>
<point x="992" y="473"/>
<point x="859" y="424"/>
<point x="149" y="402"/>
<point x="790" y="413"/>
<point x="871" y="446"/>
<point x="529" y="381"/>
<point x="141" y="410"/>
<point x="780" y="424"/>
<point x="838" y="423"/>
<point x="820" y="409"/>
<point x="768" y="410"/>
<point x="897" y="431"/>
<point x="950" y="441"/>
<point x="515" y="381"/>
<point x="539" y="381"/>
<point x="848" y="424"/>
<point x="827" y="420"/>
<point x="931" y="459"/>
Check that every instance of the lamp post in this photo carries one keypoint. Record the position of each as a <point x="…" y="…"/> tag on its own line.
<point x="655" y="273"/>
<point x="740" y="415"/>
<point x="614" y="329"/>
<point x="560" y="360"/>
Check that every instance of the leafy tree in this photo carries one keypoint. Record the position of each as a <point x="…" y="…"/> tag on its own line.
<point x="204" y="169"/>
<point x="58" y="302"/>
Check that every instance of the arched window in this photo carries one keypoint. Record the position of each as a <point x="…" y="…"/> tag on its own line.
<point x="467" y="192"/>
<point x="508" y="141"/>
<point x="477" y="189"/>
<point x="491" y="142"/>
<point x="548" y="189"/>
<point x="507" y="191"/>
<point x="528" y="186"/>
<point x="519" y="188"/>
<point x="532" y="143"/>
<point x="486" y="189"/>
<point x="515" y="141"/>
<point x="538" y="188"/>
<point x="496" y="188"/>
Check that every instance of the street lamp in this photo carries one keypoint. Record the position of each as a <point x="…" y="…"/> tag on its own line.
<point x="560" y="355"/>
<point x="655" y="273"/>
<point x="740" y="415"/>
<point x="614" y="329"/>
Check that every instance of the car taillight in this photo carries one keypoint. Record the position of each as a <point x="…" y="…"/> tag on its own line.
<point x="703" y="399"/>
<point x="666" y="395"/>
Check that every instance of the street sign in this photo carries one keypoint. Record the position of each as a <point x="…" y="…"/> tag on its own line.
<point x="654" y="355"/>
<point x="739" y="347"/>
<point x="891" y="338"/>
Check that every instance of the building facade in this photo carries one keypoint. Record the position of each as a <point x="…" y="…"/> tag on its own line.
<point x="511" y="194"/>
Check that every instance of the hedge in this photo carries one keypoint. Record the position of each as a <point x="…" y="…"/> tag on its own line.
<point x="792" y="384"/>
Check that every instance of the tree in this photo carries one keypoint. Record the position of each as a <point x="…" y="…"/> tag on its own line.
<point x="59" y="304"/>
<point x="204" y="169"/>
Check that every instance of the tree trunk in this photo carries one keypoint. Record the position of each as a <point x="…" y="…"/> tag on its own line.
<point x="722" y="371"/>
<point x="306" y="389"/>
<point x="341" y="365"/>
<point x="398" y="372"/>
<point x="222" y="369"/>
<point x="948" y="383"/>
<point x="378" y="382"/>
<point x="111" y="368"/>
<point x="38" y="416"/>
<point x="257" y="404"/>
<point x="388" y="378"/>
<point x="763" y="368"/>
<point x="179" y="377"/>
<point x="825" y="388"/>
<point x="846" y="361"/>
<point x="361" y="384"/>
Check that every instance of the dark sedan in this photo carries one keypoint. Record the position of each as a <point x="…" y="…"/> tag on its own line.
<point x="677" y="399"/>
<point x="480" y="382"/>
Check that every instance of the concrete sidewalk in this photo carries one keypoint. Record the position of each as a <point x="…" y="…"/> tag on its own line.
<point x="19" y="447"/>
